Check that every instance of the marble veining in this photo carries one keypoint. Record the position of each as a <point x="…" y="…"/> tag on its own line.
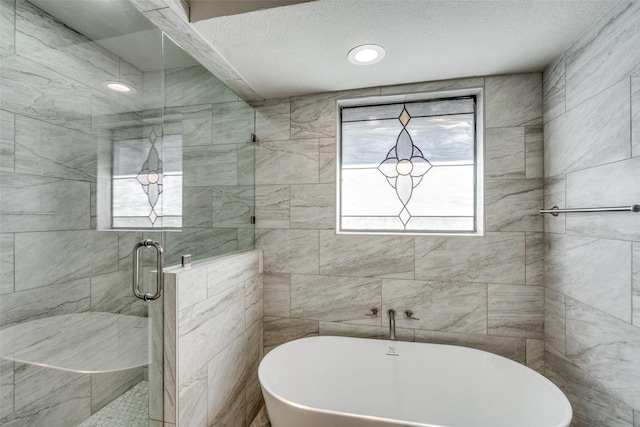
<point x="603" y="56"/>
<point x="504" y="153"/>
<point x="512" y="205"/>
<point x="495" y="258"/>
<point x="272" y="206"/>
<point x="7" y="256"/>
<point x="554" y="320"/>
<point x="273" y="119"/>
<point x="334" y="298"/>
<point x="287" y="162"/>
<point x="608" y="348"/>
<point x="594" y="132"/>
<point x="635" y="116"/>
<point x="439" y="306"/>
<point x="635" y="293"/>
<point x="7" y="141"/>
<point x="534" y="151"/>
<point x="277" y="294"/>
<point x="553" y="89"/>
<point x="312" y="206"/>
<point x="592" y="403"/>
<point x="79" y="342"/>
<point x="573" y="266"/>
<point x="289" y="251"/>
<point x="514" y="100"/>
<point x="516" y="310"/>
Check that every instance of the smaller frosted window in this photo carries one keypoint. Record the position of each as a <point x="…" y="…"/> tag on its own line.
<point x="410" y="167"/>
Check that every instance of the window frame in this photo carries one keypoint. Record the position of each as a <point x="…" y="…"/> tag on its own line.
<point x="479" y="217"/>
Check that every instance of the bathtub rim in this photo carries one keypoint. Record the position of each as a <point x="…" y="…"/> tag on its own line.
<point x="566" y="421"/>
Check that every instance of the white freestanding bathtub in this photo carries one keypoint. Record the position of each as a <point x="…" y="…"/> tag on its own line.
<point x="354" y="382"/>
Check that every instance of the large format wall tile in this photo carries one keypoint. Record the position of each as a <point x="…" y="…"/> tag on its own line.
<point x="200" y="243"/>
<point x="52" y="44"/>
<point x="7" y="260"/>
<point x="534" y="261"/>
<point x="314" y="116"/>
<point x="273" y="119"/>
<point x="233" y="122"/>
<point x="593" y="133"/>
<point x="313" y="206"/>
<point x="604" y="55"/>
<point x="439" y="306"/>
<point x="439" y="85"/>
<point x="7" y="141"/>
<point x="231" y="270"/>
<point x="38" y="92"/>
<point x="53" y="300"/>
<point x="554" y="319"/>
<point x="534" y="151"/>
<point x="68" y="405"/>
<point x="327" y="160"/>
<point x="192" y="396"/>
<point x="210" y="165"/>
<point x="77" y="254"/>
<point x="510" y="347"/>
<point x="334" y="299"/>
<point x="553" y="90"/>
<point x="494" y="258"/>
<point x="516" y="311"/>
<point x="112" y="293"/>
<point x="514" y="100"/>
<point x="272" y="206"/>
<point x="229" y="373"/>
<point x="289" y="251"/>
<point x="287" y="162"/>
<point x="363" y="331"/>
<point x="33" y="203"/>
<point x="636" y="284"/>
<point x="575" y="265"/>
<point x="504" y="153"/>
<point x="6" y="387"/>
<point x="606" y="347"/>
<point x="635" y="118"/>
<point x="277" y="294"/>
<point x="554" y="195"/>
<point x="50" y="150"/>
<point x="232" y="206"/>
<point x="613" y="184"/>
<point x="195" y="85"/>
<point x="366" y="256"/>
<point x="207" y="327"/>
<point x="512" y="205"/>
<point x="7" y="27"/>
<point x="281" y="330"/>
<point x="592" y="404"/>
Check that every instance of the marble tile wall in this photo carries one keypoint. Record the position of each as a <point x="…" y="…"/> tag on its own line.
<point x="591" y="260"/>
<point x="483" y="292"/>
<point x="56" y="119"/>
<point x="215" y="308"/>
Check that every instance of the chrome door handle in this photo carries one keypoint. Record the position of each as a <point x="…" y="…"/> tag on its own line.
<point x="160" y="282"/>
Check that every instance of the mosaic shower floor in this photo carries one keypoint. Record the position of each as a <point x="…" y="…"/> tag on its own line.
<point x="129" y="410"/>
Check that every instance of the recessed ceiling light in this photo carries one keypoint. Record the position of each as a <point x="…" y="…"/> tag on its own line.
<point x="366" y="54"/>
<point x="119" y="87"/>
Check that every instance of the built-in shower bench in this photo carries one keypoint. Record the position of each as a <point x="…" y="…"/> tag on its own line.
<point x="82" y="342"/>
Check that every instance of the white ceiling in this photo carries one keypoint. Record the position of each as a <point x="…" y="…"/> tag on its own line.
<point x="302" y="48"/>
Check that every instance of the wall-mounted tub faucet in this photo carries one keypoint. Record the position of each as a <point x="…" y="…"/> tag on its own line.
<point x="392" y="323"/>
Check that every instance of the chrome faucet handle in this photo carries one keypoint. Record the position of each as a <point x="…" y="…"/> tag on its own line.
<point x="408" y="314"/>
<point x="373" y="312"/>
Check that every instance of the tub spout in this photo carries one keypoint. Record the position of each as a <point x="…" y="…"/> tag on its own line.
<point x="392" y="324"/>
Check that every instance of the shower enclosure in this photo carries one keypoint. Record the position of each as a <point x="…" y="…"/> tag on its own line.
<point x="110" y="135"/>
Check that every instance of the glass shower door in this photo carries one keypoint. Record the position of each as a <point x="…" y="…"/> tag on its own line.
<point x="84" y="177"/>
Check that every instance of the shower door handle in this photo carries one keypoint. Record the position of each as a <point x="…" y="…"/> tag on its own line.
<point x="160" y="282"/>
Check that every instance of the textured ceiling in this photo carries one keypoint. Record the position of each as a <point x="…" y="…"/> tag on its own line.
<point x="302" y="49"/>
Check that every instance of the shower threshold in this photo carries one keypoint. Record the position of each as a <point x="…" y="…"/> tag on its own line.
<point x="128" y="410"/>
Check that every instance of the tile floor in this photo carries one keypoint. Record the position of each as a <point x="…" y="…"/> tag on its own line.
<point x="129" y="410"/>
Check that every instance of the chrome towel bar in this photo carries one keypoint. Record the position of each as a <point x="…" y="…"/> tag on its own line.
<point x="556" y="210"/>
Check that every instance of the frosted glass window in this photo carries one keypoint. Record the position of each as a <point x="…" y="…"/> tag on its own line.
<point x="410" y="167"/>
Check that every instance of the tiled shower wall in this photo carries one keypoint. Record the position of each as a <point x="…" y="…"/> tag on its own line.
<point x="484" y="292"/>
<point x="213" y="330"/>
<point x="55" y="117"/>
<point x="592" y="261"/>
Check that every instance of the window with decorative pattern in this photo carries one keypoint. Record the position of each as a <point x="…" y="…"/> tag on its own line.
<point x="411" y="164"/>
